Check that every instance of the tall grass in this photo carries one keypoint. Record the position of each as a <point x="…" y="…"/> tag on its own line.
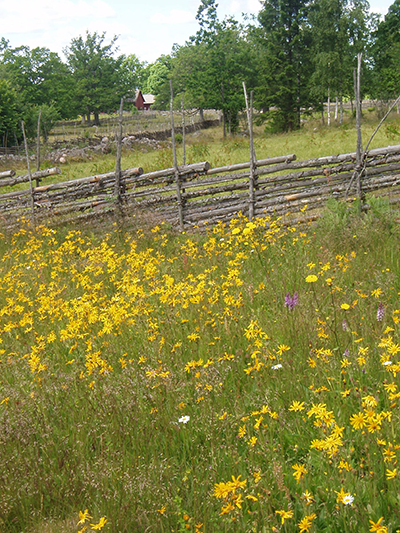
<point x="243" y="380"/>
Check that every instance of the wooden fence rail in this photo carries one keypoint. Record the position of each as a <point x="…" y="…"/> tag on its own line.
<point x="283" y="186"/>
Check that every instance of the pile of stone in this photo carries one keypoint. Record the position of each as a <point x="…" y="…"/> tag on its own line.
<point x="15" y="157"/>
<point x="63" y="154"/>
<point x="144" y="143"/>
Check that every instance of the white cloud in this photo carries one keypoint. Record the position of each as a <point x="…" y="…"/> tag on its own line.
<point x="235" y="6"/>
<point x="26" y="16"/>
<point x="253" y="6"/>
<point x="175" y="16"/>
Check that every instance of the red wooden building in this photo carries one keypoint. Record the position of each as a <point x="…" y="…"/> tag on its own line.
<point x="143" y="101"/>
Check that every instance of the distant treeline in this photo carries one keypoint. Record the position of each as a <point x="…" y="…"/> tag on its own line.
<point x="295" y="55"/>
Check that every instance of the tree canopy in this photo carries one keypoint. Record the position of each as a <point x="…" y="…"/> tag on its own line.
<point x="295" y="54"/>
<point x="96" y="73"/>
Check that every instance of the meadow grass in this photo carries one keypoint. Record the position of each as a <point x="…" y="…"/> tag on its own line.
<point x="239" y="380"/>
<point x="242" y="380"/>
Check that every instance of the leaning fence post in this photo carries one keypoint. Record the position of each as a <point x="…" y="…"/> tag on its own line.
<point x="253" y="161"/>
<point x="177" y="179"/>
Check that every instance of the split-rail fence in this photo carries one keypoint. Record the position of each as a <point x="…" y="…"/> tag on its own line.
<point x="192" y="195"/>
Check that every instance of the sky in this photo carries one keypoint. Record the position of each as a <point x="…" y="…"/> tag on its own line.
<point x="146" y="28"/>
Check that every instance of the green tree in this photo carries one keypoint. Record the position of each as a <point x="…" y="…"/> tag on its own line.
<point x="96" y="74"/>
<point x="132" y="74"/>
<point x="156" y="79"/>
<point x="330" y="51"/>
<point x="9" y="115"/>
<point x="188" y="71"/>
<point x="228" y="61"/>
<point x="284" y="38"/>
<point x="386" y="53"/>
<point x="49" y="115"/>
<point x="40" y="81"/>
<point x="40" y="77"/>
<point x="209" y="70"/>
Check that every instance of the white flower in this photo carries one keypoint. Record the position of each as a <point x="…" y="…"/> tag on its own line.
<point x="348" y="499"/>
<point x="184" y="419"/>
<point x="276" y="367"/>
<point x="387" y="363"/>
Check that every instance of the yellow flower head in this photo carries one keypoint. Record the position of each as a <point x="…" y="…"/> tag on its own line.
<point x="83" y="516"/>
<point x="100" y="524"/>
<point x="284" y="515"/>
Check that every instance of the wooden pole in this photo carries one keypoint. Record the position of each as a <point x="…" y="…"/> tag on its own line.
<point x="38" y="146"/>
<point x="252" y="184"/>
<point x="7" y="174"/>
<point x="29" y="170"/>
<point x="117" y="189"/>
<point x="357" y="83"/>
<point x="396" y="102"/>
<point x="183" y="134"/>
<point x="176" y="170"/>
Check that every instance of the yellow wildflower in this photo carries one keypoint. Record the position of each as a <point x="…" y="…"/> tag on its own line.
<point x="306" y="522"/>
<point x="377" y="527"/>
<point x="357" y="420"/>
<point x="284" y="515"/>
<point x="390" y="474"/>
<point x="296" y="406"/>
<point x="300" y="471"/>
<point x="83" y="516"/>
<point x="100" y="524"/>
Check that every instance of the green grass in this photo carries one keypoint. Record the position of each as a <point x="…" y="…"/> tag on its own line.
<point x="111" y="341"/>
<point x="313" y="140"/>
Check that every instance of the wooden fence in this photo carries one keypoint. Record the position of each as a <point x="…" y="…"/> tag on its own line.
<point x="198" y="194"/>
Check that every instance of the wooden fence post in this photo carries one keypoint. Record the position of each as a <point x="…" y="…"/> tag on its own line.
<point x="253" y="160"/>
<point x="177" y="178"/>
<point x="359" y="169"/>
<point x="38" y="146"/>
<point x="183" y="134"/>
<point x="357" y="82"/>
<point x="29" y="170"/>
<point x="117" y="188"/>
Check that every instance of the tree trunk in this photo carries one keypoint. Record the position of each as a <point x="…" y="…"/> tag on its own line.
<point x="298" y="107"/>
<point x="223" y="105"/>
<point x="336" y="108"/>
<point x="329" y="106"/>
<point x="96" y="118"/>
<point x="341" y="103"/>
